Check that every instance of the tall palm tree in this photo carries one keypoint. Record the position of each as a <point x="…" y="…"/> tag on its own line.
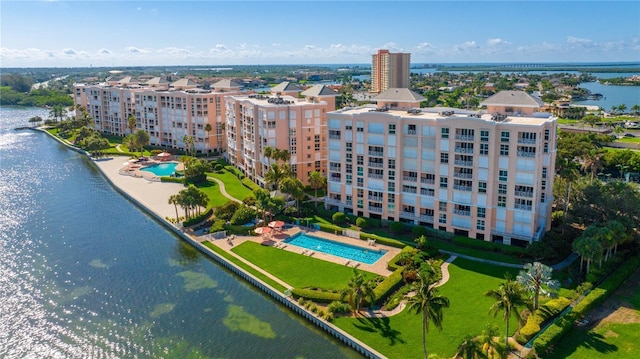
<point x="131" y="123"/>
<point x="470" y="348"/>
<point x="593" y="162"/>
<point x="536" y="278"/>
<point x="208" y="128"/>
<point x="274" y="175"/>
<point x="429" y="303"/>
<point x="317" y="181"/>
<point x="588" y="246"/>
<point x="57" y="112"/>
<point x="173" y="199"/>
<point x="486" y="340"/>
<point x="636" y="109"/>
<point x="141" y="139"/>
<point x="263" y="202"/>
<point x="567" y="169"/>
<point x="358" y="289"/>
<point x="268" y="154"/>
<point x="509" y="298"/>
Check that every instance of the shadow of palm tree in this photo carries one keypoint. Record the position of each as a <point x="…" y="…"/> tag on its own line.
<point x="587" y="339"/>
<point x="598" y="342"/>
<point x="381" y="326"/>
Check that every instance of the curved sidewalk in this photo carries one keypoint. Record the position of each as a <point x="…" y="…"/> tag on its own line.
<point x="223" y="190"/>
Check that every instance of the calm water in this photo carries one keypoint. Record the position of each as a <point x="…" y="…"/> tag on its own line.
<point x="162" y="169"/>
<point x="613" y="95"/>
<point x="85" y="274"/>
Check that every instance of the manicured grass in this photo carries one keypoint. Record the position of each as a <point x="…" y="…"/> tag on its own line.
<point x="629" y="139"/>
<point x="216" y="199"/>
<point x="232" y="184"/>
<point x="297" y="270"/>
<point x="400" y="336"/>
<point x="244" y="266"/>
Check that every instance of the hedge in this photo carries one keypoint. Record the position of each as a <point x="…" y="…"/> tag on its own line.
<point x="392" y="265"/>
<point x="172" y="179"/>
<point x="197" y="219"/>
<point x="316" y="295"/>
<point x="383" y="240"/>
<point x="247" y="182"/>
<point x="487" y="246"/>
<point x="535" y="321"/>
<point x="558" y="329"/>
<point x="388" y="285"/>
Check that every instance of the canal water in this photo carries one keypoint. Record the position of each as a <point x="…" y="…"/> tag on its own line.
<point x="85" y="274"/>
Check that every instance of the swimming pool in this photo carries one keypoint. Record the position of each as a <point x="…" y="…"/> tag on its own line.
<point x="161" y="169"/>
<point x="360" y="254"/>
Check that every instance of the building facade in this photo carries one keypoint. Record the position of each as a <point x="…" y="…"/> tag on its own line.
<point x="482" y="174"/>
<point x="389" y="70"/>
<point x="167" y="111"/>
<point x="281" y="120"/>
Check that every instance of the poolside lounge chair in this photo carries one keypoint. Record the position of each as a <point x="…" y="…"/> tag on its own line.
<point x="347" y="262"/>
<point x="311" y="253"/>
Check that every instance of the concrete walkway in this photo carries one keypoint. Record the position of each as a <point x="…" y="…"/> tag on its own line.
<point x="119" y="149"/>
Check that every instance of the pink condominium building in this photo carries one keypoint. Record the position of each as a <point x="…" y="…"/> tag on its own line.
<point x="288" y="119"/>
<point x="482" y="174"/>
<point x="167" y="111"/>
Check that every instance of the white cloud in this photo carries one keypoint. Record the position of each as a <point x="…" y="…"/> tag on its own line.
<point x="135" y="50"/>
<point x="174" y="51"/>
<point x="424" y="46"/>
<point x="104" y="51"/>
<point x="70" y="52"/>
<point x="220" y="47"/>
<point x="469" y="45"/>
<point x="498" y="42"/>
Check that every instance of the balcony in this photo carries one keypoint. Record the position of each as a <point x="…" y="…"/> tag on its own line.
<point x="376" y="164"/>
<point x="523" y="207"/>
<point x="409" y="190"/>
<point x="374" y="176"/>
<point x="412" y="132"/>
<point x="463" y="163"/>
<point x="463" y="175"/>
<point x="426" y="218"/>
<point x="427" y="180"/>
<point x="524" y="194"/>
<point x="463" y="150"/>
<point x="464" y="137"/>
<point x="375" y="198"/>
<point x="376" y="153"/>
<point x="408" y="215"/>
<point x="334" y="137"/>
<point x="410" y="178"/>
<point x="462" y="188"/>
<point x="335" y="179"/>
<point x="375" y="209"/>
<point x="461" y="212"/>
<point x="332" y="201"/>
<point x="427" y="192"/>
<point x="527" y="141"/>
<point x="526" y="154"/>
<point x="335" y="168"/>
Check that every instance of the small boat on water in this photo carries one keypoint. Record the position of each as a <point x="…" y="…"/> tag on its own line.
<point x="594" y="96"/>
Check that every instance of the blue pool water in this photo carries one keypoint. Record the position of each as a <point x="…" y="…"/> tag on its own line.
<point x="161" y="169"/>
<point x="360" y="254"/>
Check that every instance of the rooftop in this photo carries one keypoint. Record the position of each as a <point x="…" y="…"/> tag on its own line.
<point x="513" y="98"/>
<point x="399" y="95"/>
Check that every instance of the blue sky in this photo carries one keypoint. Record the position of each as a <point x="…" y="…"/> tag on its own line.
<point x="58" y="33"/>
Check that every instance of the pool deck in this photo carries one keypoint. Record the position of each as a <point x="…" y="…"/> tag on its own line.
<point x="155" y="196"/>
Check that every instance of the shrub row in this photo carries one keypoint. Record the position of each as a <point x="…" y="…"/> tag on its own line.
<point x="558" y="329"/>
<point x="535" y="321"/>
<point x="247" y="182"/>
<point x="388" y="285"/>
<point x="316" y="295"/>
<point x="487" y="246"/>
<point x="393" y="263"/>
<point x="171" y="179"/>
<point x="193" y="220"/>
<point x="383" y="240"/>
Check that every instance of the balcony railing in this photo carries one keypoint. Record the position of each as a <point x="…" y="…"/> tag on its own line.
<point x="523" y="206"/>
<point x="462" y="188"/>
<point x="461" y="212"/>
<point x="375" y="198"/>
<point x="335" y="168"/>
<point x="463" y="150"/>
<point x="334" y="137"/>
<point x="524" y="194"/>
<point x="528" y="141"/>
<point x="463" y="163"/>
<point x="409" y="190"/>
<point x="376" y="164"/>
<point x="464" y="137"/>
<point x="426" y="218"/>
<point x="412" y="132"/>
<point x="410" y="178"/>
<point x="409" y="215"/>
<point x="335" y="179"/>
<point x="332" y="201"/>
<point x="375" y="209"/>
<point x="526" y="154"/>
<point x="427" y="180"/>
<point x="426" y="192"/>
<point x="376" y="153"/>
<point x="374" y="176"/>
<point x="463" y="175"/>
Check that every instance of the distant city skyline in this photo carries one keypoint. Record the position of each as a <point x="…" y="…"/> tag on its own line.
<point x="59" y="33"/>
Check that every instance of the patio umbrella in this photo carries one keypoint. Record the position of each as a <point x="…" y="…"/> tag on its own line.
<point x="276" y="224"/>
<point x="262" y="230"/>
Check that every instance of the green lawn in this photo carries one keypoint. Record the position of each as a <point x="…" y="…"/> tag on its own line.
<point x="400" y="336"/>
<point x="297" y="270"/>
<point x="629" y="139"/>
<point x="612" y="339"/>
<point x="232" y="184"/>
<point x="216" y="199"/>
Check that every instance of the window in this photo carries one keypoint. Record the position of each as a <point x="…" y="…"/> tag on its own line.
<point x="544" y="172"/>
<point x="546" y="135"/>
<point x="482" y="187"/>
<point x="503" y="176"/>
<point x="542" y="197"/>
<point x="484" y="136"/>
<point x="391" y="187"/>
<point x="360" y="182"/>
<point x="442" y="218"/>
<point x="482" y="212"/>
<point x="392" y="164"/>
<point x="502" y="188"/>
<point x="480" y="224"/>
<point x="444" y="157"/>
<point x="348" y="127"/>
<point x="544" y="185"/>
<point x="546" y="147"/>
<point x="392" y="128"/>
<point x="349" y="157"/>
<point x="360" y="160"/>
<point x="444" y="132"/>
<point x="391" y="197"/>
<point x="504" y="136"/>
<point x="442" y="206"/>
<point x="349" y="179"/>
<point x="443" y="182"/>
<point x="502" y="201"/>
<point x="392" y="175"/>
<point x="484" y="149"/>
<point x="504" y="150"/>
<point x="412" y="130"/>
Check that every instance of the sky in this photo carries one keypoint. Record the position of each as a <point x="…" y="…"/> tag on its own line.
<point x="59" y="33"/>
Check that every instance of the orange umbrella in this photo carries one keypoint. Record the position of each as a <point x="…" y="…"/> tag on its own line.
<point x="262" y="230"/>
<point x="276" y="224"/>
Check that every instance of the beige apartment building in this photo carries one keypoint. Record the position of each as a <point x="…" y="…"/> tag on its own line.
<point x="483" y="174"/>
<point x="288" y="119"/>
<point x="389" y="70"/>
<point x="167" y="111"/>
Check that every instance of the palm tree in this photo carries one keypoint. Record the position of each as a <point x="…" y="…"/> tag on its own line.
<point x="486" y="340"/>
<point x="35" y="119"/>
<point x="420" y="241"/>
<point x="141" y="138"/>
<point x="536" y="278"/>
<point x="317" y="181"/>
<point x="593" y="162"/>
<point x="208" y="128"/>
<point x="509" y="297"/>
<point x="173" y="199"/>
<point x="470" y="348"/>
<point x="429" y="303"/>
<point x="622" y="108"/>
<point x="131" y="123"/>
<point x="57" y="112"/>
<point x="263" y="202"/>
<point x="588" y="246"/>
<point x="268" y="154"/>
<point x="636" y="109"/>
<point x="274" y="175"/>
<point x="358" y="290"/>
<point x="567" y="169"/>
<point x="294" y="188"/>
